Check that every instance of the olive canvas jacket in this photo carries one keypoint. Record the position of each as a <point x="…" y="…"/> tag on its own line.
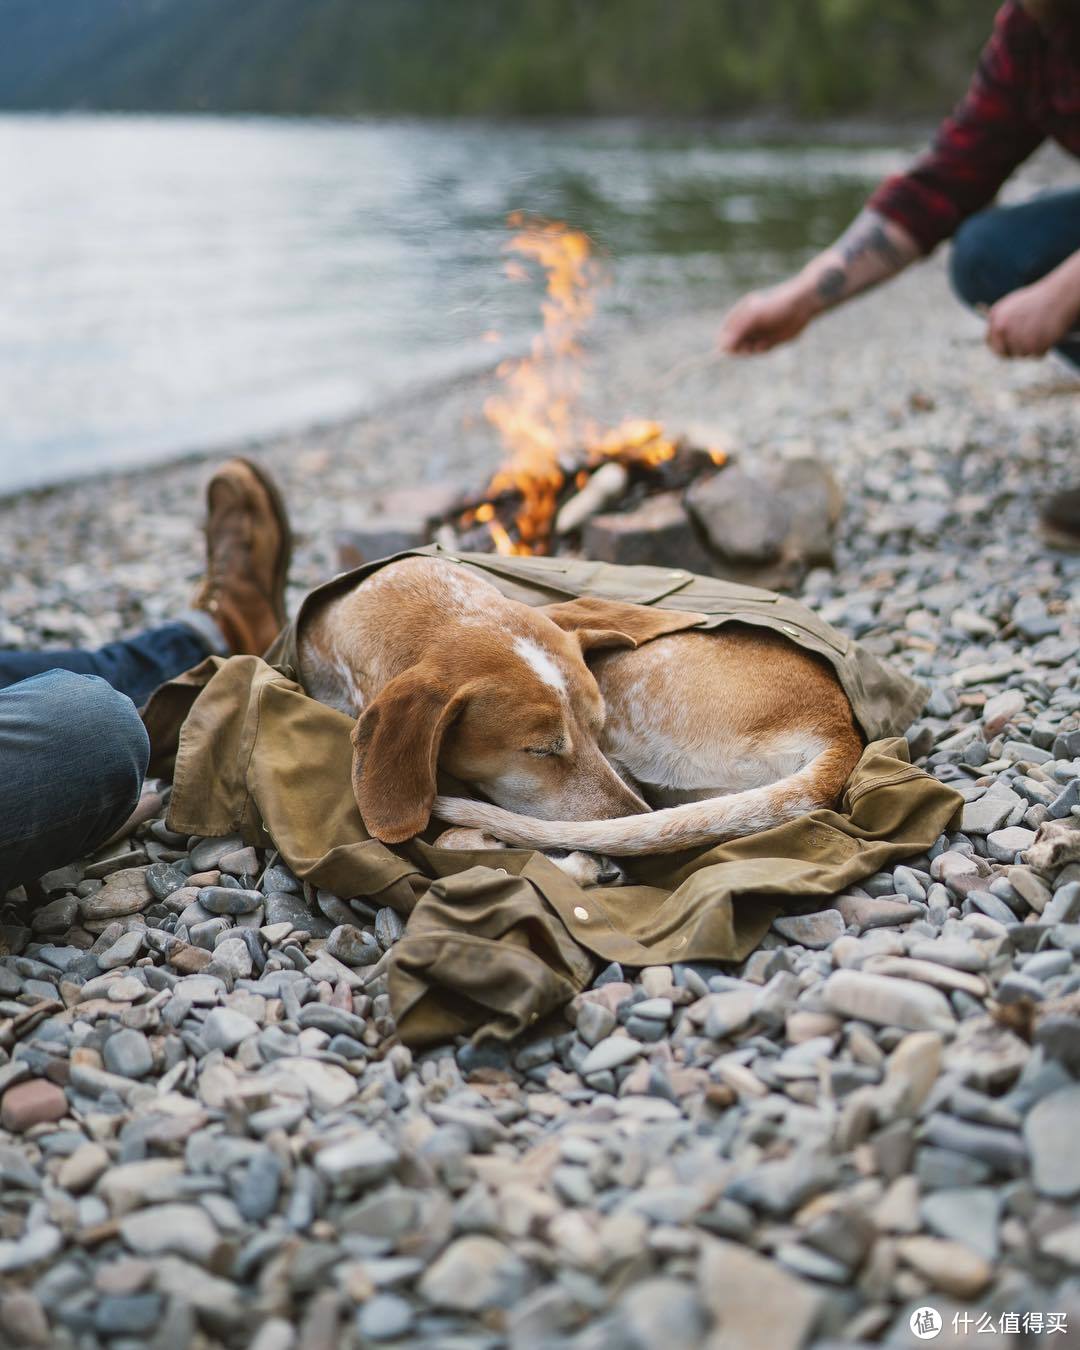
<point x="497" y="939"/>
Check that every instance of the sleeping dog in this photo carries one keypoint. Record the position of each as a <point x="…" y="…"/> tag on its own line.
<point x="589" y="725"/>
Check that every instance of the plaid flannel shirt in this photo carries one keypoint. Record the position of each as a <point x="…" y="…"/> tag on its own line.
<point x="1026" y="89"/>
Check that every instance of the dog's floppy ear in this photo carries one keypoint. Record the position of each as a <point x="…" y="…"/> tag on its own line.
<point x="611" y="623"/>
<point x="396" y="743"/>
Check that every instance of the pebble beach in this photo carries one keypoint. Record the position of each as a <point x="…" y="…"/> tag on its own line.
<point x="209" y="1137"/>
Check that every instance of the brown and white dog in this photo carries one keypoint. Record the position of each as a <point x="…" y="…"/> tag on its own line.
<point x="729" y="732"/>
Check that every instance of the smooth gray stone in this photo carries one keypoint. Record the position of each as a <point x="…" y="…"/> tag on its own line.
<point x="1059" y="1037"/>
<point x="208" y="852"/>
<point x="389" y="927"/>
<point x="967" y="1214"/>
<point x="777" y="1188"/>
<point x="610" y="1054"/>
<point x="279" y="878"/>
<point x="257" y="1186"/>
<point x="127" y="1314"/>
<point x="816" y="931"/>
<point x="165" y="878"/>
<point x="127" y="1052"/>
<point x="594" y="1022"/>
<point x="227" y="900"/>
<point x="908" y="884"/>
<point x="386" y="1317"/>
<point x="942" y="1168"/>
<point x="359" y="1160"/>
<point x="1050" y="1130"/>
<point x="990" y="905"/>
<point x="1067" y="745"/>
<point x="225" y="1029"/>
<point x="1064" y="907"/>
<point x="659" y="1311"/>
<point x="123" y="951"/>
<point x="353" y="946"/>
<point x="282" y="907"/>
<point x="1000" y="1149"/>
<point x="1047" y="965"/>
<point x="334" y="1021"/>
<point x="335" y="909"/>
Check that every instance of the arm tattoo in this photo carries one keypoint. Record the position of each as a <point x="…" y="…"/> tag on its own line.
<point x="831" y="283"/>
<point x="867" y="235"/>
<point x="865" y="239"/>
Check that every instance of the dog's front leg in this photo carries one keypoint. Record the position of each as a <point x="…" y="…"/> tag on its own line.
<point x="587" y="869"/>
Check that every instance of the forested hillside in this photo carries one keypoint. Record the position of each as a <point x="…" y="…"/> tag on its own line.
<point x="561" y="57"/>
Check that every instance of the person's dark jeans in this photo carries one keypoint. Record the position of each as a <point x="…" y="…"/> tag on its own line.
<point x="73" y="750"/>
<point x="134" y="666"/>
<point x="1005" y="247"/>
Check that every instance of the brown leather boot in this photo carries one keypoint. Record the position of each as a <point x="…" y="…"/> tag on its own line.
<point x="1059" y="520"/>
<point x="248" y="547"/>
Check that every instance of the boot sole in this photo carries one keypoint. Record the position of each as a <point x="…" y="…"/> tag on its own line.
<point x="1059" y="539"/>
<point x="277" y="502"/>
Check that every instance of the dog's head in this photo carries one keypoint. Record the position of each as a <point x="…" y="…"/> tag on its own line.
<point x="514" y="712"/>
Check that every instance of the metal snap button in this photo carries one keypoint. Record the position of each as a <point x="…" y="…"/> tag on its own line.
<point x="580" y="913"/>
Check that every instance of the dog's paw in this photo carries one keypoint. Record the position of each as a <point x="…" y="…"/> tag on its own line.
<point x="588" y="869"/>
<point x="1057" y="843"/>
<point x="462" y="838"/>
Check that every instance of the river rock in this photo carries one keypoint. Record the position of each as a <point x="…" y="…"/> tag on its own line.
<point x="124" y="892"/>
<point x="475" y="1273"/>
<point x="887" y="1001"/>
<point x="229" y="900"/>
<point x="609" y="1054"/>
<point x="183" y="1230"/>
<point x="1050" y="1132"/>
<point x="32" y="1103"/>
<point x="949" y="1266"/>
<point x="362" y="1159"/>
<point x="353" y="946"/>
<point x="754" y="1301"/>
<point x="816" y="931"/>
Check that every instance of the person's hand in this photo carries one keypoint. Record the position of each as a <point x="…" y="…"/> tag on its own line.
<point x="1029" y="321"/>
<point x="764" y="319"/>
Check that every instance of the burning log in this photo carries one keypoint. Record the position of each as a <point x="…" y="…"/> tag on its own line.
<point x="606" y="485"/>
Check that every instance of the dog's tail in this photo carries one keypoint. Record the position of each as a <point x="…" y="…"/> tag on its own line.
<point x="694" y="825"/>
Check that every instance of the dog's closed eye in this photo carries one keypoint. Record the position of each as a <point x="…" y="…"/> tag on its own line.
<point x="541" y="751"/>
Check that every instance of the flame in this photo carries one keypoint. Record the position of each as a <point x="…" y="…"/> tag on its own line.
<point x="536" y="413"/>
<point x="634" y="441"/>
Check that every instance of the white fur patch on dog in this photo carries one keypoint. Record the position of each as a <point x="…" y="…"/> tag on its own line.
<point x="541" y="662"/>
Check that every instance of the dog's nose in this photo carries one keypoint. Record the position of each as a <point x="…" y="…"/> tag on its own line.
<point x="610" y="873"/>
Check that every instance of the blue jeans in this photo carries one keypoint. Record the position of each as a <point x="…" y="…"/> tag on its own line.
<point x="73" y="750"/>
<point x="1005" y="247"/>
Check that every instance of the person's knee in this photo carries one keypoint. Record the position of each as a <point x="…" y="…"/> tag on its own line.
<point x="100" y="727"/>
<point x="981" y="265"/>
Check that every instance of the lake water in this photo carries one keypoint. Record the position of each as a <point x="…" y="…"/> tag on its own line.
<point x="170" y="284"/>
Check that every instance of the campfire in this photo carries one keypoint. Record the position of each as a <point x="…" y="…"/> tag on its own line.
<point x="562" y="469"/>
<point x="630" y="493"/>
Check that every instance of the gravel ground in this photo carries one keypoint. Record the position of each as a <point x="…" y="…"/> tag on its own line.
<point x="209" y="1139"/>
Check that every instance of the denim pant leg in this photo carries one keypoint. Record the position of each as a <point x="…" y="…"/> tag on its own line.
<point x="134" y="666"/>
<point x="73" y="755"/>
<point x="1006" y="247"/>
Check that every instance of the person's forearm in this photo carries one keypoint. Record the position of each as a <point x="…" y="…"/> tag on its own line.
<point x="1064" y="284"/>
<point x="871" y="250"/>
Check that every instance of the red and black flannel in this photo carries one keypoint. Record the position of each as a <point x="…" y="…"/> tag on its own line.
<point x="1026" y="89"/>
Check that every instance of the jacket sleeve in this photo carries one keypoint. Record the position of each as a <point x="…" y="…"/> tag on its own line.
<point x="989" y="133"/>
